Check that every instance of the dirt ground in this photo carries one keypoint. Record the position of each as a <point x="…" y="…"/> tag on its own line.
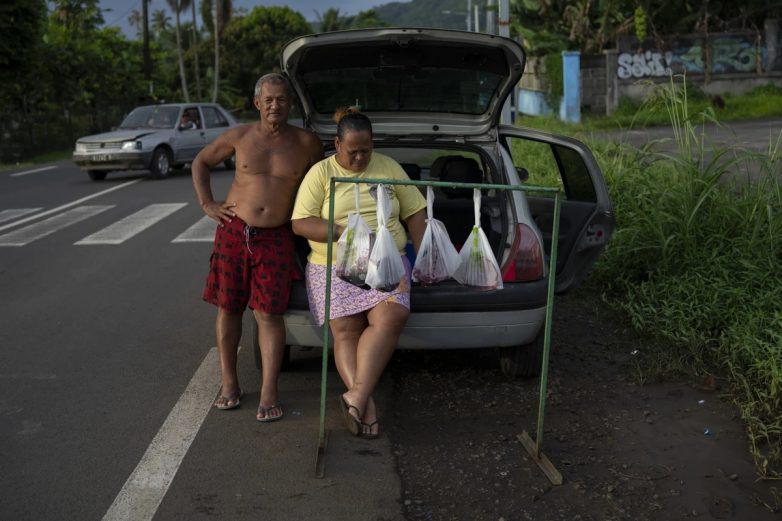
<point x="660" y="451"/>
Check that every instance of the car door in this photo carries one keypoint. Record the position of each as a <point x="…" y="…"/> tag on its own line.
<point x="586" y="217"/>
<point x="190" y="141"/>
<point x="215" y="122"/>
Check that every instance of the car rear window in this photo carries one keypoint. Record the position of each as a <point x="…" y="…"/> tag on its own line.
<point x="383" y="78"/>
<point x="213" y="118"/>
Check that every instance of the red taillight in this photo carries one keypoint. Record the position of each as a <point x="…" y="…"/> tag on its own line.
<point x="525" y="262"/>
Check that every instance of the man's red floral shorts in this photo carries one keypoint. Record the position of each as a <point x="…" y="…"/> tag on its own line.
<point x="251" y="267"/>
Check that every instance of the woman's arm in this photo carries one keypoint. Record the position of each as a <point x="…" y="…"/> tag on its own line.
<point x="315" y="229"/>
<point x="416" y="224"/>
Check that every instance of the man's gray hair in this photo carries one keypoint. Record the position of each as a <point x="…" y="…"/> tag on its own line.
<point x="275" y="79"/>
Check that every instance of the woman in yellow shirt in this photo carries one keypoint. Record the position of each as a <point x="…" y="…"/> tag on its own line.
<point x="366" y="323"/>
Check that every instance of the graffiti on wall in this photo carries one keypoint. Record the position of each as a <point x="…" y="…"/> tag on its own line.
<point x="729" y="53"/>
<point x="643" y="64"/>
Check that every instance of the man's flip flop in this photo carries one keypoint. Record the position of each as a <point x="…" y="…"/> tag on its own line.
<point x="266" y="410"/>
<point x="231" y="401"/>
<point x="353" y="424"/>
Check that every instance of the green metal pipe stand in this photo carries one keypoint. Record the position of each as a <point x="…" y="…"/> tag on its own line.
<point x="532" y="447"/>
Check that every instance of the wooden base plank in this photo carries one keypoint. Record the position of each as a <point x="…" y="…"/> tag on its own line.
<point x="543" y="462"/>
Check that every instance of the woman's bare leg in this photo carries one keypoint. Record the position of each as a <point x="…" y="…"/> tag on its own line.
<point x="347" y="331"/>
<point x="375" y="347"/>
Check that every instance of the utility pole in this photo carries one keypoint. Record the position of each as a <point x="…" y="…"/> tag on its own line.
<point x="491" y="16"/>
<point x="504" y="30"/>
<point x="469" y="15"/>
<point x="145" y="30"/>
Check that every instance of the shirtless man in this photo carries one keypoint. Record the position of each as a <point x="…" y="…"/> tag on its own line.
<point x="254" y="253"/>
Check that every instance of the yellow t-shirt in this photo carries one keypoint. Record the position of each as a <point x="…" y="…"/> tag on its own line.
<point x="312" y="199"/>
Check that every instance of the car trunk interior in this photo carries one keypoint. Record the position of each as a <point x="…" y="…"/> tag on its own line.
<point x="452" y="206"/>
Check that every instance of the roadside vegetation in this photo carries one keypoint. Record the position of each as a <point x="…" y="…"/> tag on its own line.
<point x="695" y="262"/>
<point x="761" y="102"/>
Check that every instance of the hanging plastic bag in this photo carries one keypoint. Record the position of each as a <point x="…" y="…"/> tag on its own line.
<point x="353" y="247"/>
<point x="385" y="264"/>
<point x="437" y="258"/>
<point x="477" y="265"/>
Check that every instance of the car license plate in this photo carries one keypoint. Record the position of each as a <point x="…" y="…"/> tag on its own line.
<point x="101" y="157"/>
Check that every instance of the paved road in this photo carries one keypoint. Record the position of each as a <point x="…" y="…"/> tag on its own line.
<point x="756" y="135"/>
<point x="108" y="370"/>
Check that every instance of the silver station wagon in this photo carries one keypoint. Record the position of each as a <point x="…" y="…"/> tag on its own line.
<point x="435" y="98"/>
<point x="158" y="138"/>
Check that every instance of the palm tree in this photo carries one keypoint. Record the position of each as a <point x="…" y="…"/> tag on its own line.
<point x="135" y="20"/>
<point x="160" y="23"/>
<point x="222" y="15"/>
<point x="194" y="46"/>
<point x="176" y="6"/>
<point x="330" y="20"/>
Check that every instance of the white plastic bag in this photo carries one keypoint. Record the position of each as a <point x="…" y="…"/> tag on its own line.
<point x="353" y="247"/>
<point x="477" y="265"/>
<point x="437" y="258"/>
<point x="385" y="264"/>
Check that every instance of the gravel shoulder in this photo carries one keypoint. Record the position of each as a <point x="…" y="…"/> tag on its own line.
<point x="659" y="451"/>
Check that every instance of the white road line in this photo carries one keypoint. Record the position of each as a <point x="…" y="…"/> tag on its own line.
<point x="132" y="225"/>
<point x="202" y="231"/>
<point x="40" y="229"/>
<point x="146" y="487"/>
<point x="19" y="174"/>
<point x="68" y="205"/>
<point x="13" y="213"/>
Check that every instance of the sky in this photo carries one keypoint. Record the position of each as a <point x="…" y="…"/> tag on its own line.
<point x="121" y="9"/>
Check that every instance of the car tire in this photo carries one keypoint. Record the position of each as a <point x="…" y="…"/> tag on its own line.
<point x="230" y="164"/>
<point x="524" y="360"/>
<point x="161" y="163"/>
<point x="286" y="356"/>
<point x="97" y="175"/>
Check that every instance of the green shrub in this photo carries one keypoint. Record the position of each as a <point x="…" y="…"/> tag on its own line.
<point x="696" y="259"/>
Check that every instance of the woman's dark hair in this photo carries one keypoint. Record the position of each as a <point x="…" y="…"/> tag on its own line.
<point x="351" y="119"/>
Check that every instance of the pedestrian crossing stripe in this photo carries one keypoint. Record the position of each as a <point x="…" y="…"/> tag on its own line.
<point x="202" y="231"/>
<point x="15" y="213"/>
<point x="41" y="229"/>
<point x="132" y="225"/>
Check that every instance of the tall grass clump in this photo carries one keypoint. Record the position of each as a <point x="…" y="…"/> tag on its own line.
<point x="696" y="261"/>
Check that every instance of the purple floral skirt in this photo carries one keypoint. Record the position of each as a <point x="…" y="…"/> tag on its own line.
<point x="347" y="299"/>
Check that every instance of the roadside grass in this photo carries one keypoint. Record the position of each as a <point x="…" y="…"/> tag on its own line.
<point x="695" y="263"/>
<point x="48" y="157"/>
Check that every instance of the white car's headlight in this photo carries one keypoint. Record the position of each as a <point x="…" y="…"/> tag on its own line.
<point x="81" y="147"/>
<point x="131" y="145"/>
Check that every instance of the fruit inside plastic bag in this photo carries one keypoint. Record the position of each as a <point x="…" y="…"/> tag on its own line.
<point x="354" y="247"/>
<point x="477" y="265"/>
<point x="437" y="258"/>
<point x="386" y="268"/>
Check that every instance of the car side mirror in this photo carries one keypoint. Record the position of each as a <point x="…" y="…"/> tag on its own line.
<point x="523" y="173"/>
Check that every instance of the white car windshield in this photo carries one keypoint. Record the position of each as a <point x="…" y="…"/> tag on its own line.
<point x="151" y="117"/>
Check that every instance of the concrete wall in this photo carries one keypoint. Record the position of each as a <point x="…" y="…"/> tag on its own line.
<point x="726" y="63"/>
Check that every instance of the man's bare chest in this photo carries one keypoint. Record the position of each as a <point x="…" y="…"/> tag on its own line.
<point x="278" y="158"/>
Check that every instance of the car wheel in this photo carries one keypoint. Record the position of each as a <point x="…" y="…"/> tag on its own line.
<point x="97" y="175"/>
<point x="230" y="164"/>
<point x="161" y="163"/>
<point x="524" y="360"/>
<point x="286" y="355"/>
